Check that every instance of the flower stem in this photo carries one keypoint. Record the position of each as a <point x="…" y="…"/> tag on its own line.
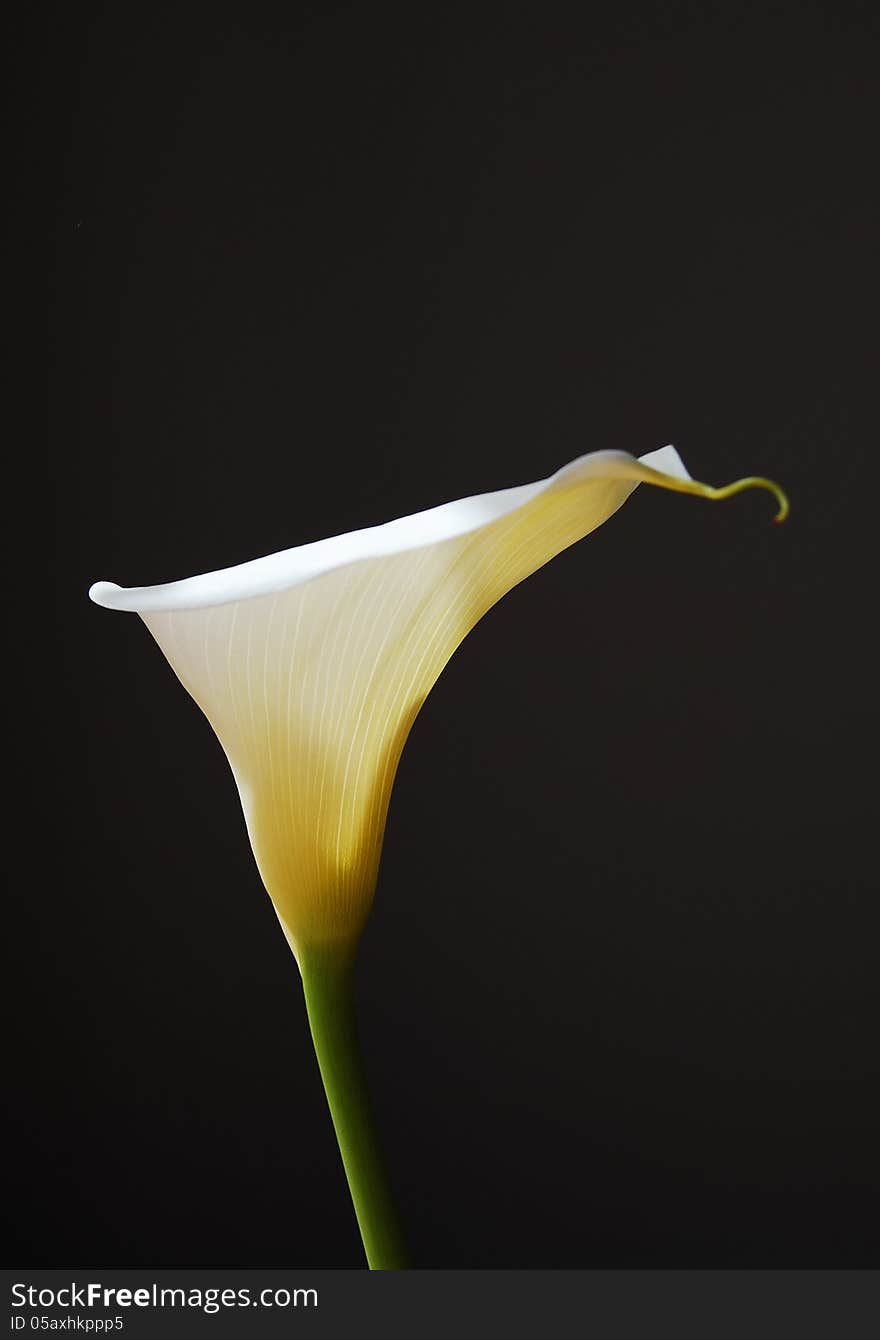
<point x="327" y="984"/>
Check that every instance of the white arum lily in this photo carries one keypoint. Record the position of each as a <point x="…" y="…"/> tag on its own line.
<point x="311" y="666"/>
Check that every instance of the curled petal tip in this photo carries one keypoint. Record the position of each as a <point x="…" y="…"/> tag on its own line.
<point x="755" y="482"/>
<point x="102" y="592"/>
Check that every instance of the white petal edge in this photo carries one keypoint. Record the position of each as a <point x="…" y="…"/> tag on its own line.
<point x="292" y="567"/>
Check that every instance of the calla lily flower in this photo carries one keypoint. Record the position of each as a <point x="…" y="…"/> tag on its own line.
<point x="311" y="665"/>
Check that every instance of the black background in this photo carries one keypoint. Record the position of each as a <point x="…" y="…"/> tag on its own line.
<point x="318" y="266"/>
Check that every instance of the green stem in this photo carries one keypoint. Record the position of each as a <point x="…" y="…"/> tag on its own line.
<point x="327" y="984"/>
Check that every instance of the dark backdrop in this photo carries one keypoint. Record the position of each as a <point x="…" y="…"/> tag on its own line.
<point x="316" y="267"/>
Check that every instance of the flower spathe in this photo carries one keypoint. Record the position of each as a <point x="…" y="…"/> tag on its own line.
<point x="311" y="665"/>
